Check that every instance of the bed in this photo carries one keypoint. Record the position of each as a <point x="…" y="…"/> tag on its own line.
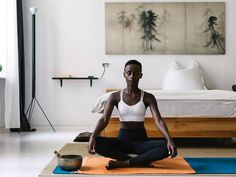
<point x="193" y="113"/>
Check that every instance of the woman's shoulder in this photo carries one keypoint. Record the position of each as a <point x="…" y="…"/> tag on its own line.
<point x="148" y="96"/>
<point x="115" y="96"/>
<point x="116" y="93"/>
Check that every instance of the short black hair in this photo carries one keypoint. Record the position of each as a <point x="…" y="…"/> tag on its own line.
<point x="134" y="62"/>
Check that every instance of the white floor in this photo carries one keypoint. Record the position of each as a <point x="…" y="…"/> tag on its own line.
<point x="26" y="154"/>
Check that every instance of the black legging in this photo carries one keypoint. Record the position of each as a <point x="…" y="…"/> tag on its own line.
<point x="135" y="142"/>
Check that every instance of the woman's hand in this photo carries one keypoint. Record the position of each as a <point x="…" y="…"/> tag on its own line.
<point x="172" y="149"/>
<point x="91" y="145"/>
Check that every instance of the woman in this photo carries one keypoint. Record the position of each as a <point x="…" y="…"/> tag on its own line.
<point x="131" y="104"/>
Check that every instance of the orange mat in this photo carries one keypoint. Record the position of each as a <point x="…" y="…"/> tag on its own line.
<point x="96" y="165"/>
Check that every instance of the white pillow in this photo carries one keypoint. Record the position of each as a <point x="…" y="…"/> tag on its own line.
<point x="178" y="78"/>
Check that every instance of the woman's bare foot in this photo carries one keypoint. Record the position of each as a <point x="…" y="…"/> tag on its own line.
<point x="117" y="164"/>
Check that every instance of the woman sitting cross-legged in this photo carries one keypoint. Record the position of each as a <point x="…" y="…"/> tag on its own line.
<point x="131" y="104"/>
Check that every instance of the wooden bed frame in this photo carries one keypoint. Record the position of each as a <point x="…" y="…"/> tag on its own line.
<point x="183" y="127"/>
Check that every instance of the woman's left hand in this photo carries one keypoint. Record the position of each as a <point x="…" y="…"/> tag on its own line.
<point x="172" y="149"/>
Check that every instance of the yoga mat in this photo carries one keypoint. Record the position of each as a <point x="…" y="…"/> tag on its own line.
<point x="213" y="165"/>
<point x="96" y="165"/>
<point x="58" y="170"/>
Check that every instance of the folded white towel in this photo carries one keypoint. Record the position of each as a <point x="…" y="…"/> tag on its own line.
<point x="100" y="103"/>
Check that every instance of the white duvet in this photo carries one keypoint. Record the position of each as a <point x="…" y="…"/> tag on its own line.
<point x="194" y="103"/>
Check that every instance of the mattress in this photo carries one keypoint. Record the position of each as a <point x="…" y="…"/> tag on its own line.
<point x="193" y="103"/>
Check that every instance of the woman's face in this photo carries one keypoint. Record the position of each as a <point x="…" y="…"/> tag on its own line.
<point x="132" y="74"/>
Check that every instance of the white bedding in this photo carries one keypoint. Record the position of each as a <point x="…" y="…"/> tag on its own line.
<point x="194" y="103"/>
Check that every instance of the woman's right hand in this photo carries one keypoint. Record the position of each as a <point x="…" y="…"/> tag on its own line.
<point x="91" y="145"/>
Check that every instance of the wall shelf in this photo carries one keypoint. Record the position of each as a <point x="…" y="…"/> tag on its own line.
<point x="91" y="78"/>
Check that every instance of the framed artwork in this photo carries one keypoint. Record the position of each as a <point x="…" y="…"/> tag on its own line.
<point x="165" y="28"/>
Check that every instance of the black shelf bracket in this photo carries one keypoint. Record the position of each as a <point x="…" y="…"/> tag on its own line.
<point x="90" y="78"/>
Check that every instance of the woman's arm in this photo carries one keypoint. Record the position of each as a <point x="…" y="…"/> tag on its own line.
<point x="161" y="124"/>
<point x="102" y="122"/>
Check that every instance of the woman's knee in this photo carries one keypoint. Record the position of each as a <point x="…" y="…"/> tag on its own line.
<point x="99" y="138"/>
<point x="163" y="149"/>
<point x="99" y="143"/>
<point x="165" y="152"/>
<point x="102" y="143"/>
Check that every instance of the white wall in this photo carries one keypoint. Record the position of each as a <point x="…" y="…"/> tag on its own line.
<point x="71" y="40"/>
<point x="2" y="102"/>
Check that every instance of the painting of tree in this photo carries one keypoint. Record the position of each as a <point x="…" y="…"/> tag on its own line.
<point x="216" y="39"/>
<point x="165" y="28"/>
<point x="147" y="21"/>
<point x="124" y="20"/>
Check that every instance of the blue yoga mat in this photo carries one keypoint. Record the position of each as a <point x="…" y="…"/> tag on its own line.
<point x="58" y="170"/>
<point x="213" y="165"/>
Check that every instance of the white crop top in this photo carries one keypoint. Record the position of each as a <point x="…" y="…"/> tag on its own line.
<point x="133" y="113"/>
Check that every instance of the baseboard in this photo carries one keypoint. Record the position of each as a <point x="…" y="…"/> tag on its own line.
<point x="79" y="128"/>
<point x="65" y="127"/>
